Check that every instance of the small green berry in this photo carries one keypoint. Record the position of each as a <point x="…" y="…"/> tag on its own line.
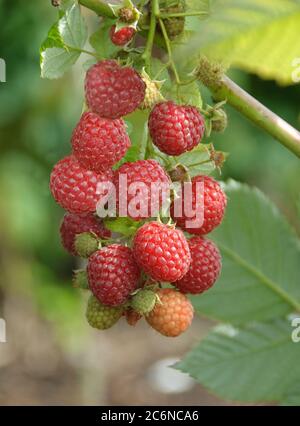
<point x="100" y="316"/>
<point x="143" y="302"/>
<point x="86" y="244"/>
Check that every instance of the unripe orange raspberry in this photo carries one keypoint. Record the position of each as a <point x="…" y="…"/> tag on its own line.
<point x="172" y="315"/>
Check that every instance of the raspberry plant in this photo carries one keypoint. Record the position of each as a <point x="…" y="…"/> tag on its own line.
<point x="143" y="117"/>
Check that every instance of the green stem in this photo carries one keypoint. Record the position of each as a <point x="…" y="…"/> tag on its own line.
<point x="77" y="49"/>
<point x="181" y="14"/>
<point x="149" y="45"/>
<point x="99" y="7"/>
<point x="251" y="108"/>
<point x="169" y="50"/>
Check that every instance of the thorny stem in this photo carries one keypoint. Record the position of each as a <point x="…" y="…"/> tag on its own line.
<point x="257" y="113"/>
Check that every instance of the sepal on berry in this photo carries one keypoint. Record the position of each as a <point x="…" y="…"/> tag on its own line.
<point x="127" y="14"/>
<point x="152" y="93"/>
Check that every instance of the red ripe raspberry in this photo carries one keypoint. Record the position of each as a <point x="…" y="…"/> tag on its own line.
<point x="205" y="267"/>
<point x="113" y="274"/>
<point x="98" y="143"/>
<point x="161" y="251"/>
<point x="173" y="313"/>
<point x="146" y="180"/>
<point x="175" y="129"/>
<point x="74" y="187"/>
<point x="214" y="204"/>
<point x="113" y="91"/>
<point x="73" y="225"/>
<point x="121" y="37"/>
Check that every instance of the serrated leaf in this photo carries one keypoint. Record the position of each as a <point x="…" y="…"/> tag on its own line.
<point x="255" y="363"/>
<point x="53" y="39"/>
<point x="72" y="27"/>
<point x="188" y="94"/>
<point x="261" y="256"/>
<point x="122" y="225"/>
<point x="197" y="161"/>
<point x="61" y="49"/>
<point x="260" y="36"/>
<point x="135" y="121"/>
<point x="56" y="61"/>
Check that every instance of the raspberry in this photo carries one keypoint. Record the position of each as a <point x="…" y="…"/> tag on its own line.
<point x="205" y="267"/>
<point x="113" y="274"/>
<point x="143" y="301"/>
<point x="148" y="182"/>
<point x="173" y="313"/>
<point x="162" y="251"/>
<point x="214" y="204"/>
<point x="113" y="91"/>
<point x="98" y="143"/>
<point x="73" y="225"/>
<point x="101" y="316"/>
<point x="74" y="187"/>
<point x="132" y="317"/>
<point x="174" y="26"/>
<point x="175" y="129"/>
<point x="121" y="37"/>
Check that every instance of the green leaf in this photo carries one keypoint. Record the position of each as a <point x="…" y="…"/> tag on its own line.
<point x="122" y="225"/>
<point x="66" y="4"/>
<point x="62" y="47"/>
<point x="135" y="121"/>
<point x="261" y="256"/>
<point x="292" y="396"/>
<point x="72" y="28"/>
<point x="198" y="160"/>
<point x="56" y="61"/>
<point x="261" y="36"/>
<point x="250" y="364"/>
<point x="188" y="94"/>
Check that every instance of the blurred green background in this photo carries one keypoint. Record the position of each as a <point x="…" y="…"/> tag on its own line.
<point x="51" y="355"/>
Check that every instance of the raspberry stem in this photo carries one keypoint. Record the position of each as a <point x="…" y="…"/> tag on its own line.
<point x="169" y="50"/>
<point x="251" y="108"/>
<point x="99" y="7"/>
<point x="149" y="45"/>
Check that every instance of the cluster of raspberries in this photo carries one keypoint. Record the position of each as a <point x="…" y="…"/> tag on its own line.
<point x="152" y="274"/>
